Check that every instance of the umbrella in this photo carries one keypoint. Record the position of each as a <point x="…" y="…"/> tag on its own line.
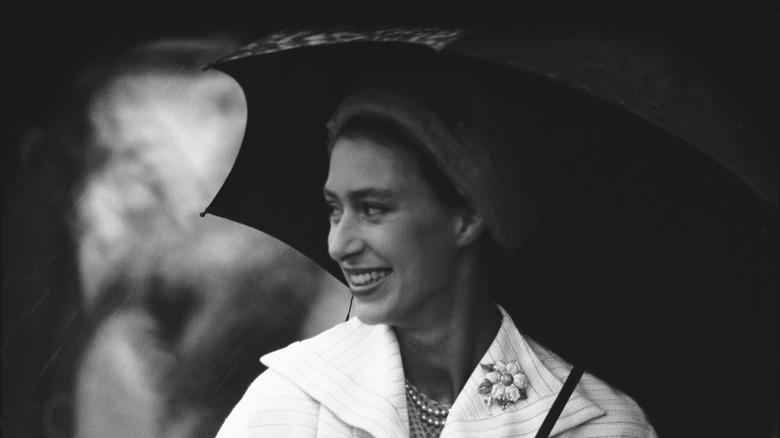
<point x="691" y="216"/>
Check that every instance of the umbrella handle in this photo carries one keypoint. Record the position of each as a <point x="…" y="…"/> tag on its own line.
<point x="352" y="298"/>
<point x="560" y="402"/>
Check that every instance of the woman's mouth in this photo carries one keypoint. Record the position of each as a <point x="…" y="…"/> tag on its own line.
<point x="367" y="278"/>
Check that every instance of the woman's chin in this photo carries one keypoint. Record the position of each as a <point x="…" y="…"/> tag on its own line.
<point x="369" y="319"/>
<point x="370" y="313"/>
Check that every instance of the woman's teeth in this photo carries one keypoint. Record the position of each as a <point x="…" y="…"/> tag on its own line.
<point x="367" y="277"/>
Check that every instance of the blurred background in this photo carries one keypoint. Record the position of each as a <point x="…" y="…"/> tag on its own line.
<point x="124" y="312"/>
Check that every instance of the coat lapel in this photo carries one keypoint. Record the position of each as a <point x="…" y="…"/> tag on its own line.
<point x="353" y="370"/>
<point x="469" y="415"/>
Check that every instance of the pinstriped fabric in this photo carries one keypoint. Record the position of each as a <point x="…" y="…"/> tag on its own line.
<point x="594" y="409"/>
<point x="469" y="415"/>
<point x="272" y="406"/>
<point x="362" y="392"/>
<point x="624" y="416"/>
<point x="330" y="426"/>
<point x="367" y="355"/>
<point x="349" y="381"/>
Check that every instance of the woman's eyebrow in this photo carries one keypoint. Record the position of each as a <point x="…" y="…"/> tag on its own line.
<point x="369" y="193"/>
<point x="359" y="194"/>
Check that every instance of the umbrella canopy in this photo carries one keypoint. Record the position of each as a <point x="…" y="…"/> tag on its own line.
<point x="300" y="75"/>
<point x="668" y="223"/>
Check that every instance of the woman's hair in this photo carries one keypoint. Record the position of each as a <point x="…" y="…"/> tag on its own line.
<point x="392" y="137"/>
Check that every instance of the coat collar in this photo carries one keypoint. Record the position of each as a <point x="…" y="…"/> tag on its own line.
<point x="355" y="371"/>
<point x="469" y="415"/>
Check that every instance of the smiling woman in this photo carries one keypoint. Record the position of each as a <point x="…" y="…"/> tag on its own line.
<point x="427" y="196"/>
<point x="390" y="232"/>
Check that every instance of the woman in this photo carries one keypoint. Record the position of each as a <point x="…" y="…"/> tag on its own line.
<point x="427" y="196"/>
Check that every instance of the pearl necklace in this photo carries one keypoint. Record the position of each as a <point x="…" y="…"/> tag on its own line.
<point x="432" y="415"/>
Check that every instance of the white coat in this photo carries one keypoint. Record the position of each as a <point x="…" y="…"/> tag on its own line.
<point x="349" y="382"/>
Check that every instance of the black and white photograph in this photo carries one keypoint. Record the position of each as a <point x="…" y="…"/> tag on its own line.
<point x="342" y="218"/>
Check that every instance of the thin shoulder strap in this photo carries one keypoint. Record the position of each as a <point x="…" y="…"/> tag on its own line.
<point x="560" y="402"/>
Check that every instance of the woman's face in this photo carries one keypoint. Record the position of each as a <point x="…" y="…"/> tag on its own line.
<point x="394" y="240"/>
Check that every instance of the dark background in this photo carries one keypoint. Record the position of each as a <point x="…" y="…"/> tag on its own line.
<point x="48" y="42"/>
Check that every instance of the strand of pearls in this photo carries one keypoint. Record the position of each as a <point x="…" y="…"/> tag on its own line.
<point x="434" y="416"/>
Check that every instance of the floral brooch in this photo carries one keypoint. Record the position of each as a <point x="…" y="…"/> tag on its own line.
<point x="504" y="383"/>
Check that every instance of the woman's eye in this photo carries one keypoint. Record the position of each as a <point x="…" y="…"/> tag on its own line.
<point x="373" y="210"/>
<point x="334" y="212"/>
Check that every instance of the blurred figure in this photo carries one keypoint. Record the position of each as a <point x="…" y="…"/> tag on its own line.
<point x="172" y="311"/>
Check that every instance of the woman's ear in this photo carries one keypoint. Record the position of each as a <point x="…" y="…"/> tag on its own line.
<point x="470" y="226"/>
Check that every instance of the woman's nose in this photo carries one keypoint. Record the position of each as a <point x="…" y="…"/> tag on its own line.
<point x="344" y="239"/>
